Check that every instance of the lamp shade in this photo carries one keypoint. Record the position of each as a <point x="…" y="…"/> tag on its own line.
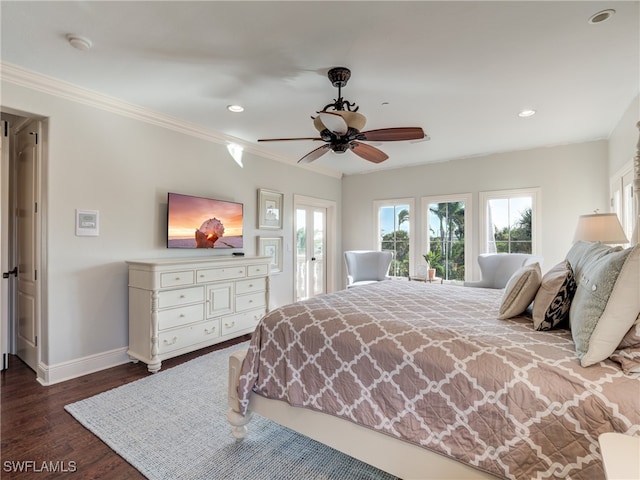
<point x="600" y="227"/>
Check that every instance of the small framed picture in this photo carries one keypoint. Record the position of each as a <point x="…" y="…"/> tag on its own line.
<point x="87" y="223"/>
<point x="271" y="247"/>
<point x="270" y="209"/>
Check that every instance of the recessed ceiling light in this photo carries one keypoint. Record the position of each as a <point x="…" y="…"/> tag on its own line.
<point x="526" y="113"/>
<point x="81" y="43"/>
<point x="602" y="16"/>
<point x="235" y="108"/>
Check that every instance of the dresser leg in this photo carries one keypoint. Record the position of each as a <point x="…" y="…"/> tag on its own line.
<point x="154" y="367"/>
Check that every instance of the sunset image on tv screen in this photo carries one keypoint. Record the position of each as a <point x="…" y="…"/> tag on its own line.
<point x="197" y="222"/>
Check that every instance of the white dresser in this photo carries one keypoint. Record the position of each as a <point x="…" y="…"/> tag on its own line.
<point x="177" y="305"/>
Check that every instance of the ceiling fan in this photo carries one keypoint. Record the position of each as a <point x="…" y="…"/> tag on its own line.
<point x="340" y="126"/>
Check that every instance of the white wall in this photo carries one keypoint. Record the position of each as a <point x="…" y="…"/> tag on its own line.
<point x="124" y="167"/>
<point x="572" y="178"/>
<point x="624" y="137"/>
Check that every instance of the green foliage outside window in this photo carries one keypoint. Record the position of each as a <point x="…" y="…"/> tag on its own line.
<point x="518" y="238"/>
<point x="447" y="240"/>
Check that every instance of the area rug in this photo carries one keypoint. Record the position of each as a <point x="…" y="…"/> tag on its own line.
<point x="172" y="425"/>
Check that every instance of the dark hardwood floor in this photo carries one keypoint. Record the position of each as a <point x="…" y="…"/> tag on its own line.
<point x="38" y="436"/>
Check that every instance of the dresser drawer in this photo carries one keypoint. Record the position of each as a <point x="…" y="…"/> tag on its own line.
<point x="252" y="285"/>
<point x="175" y="317"/>
<point x="226" y="273"/>
<point x="183" y="296"/>
<point x="176" y="279"/>
<point x="250" y="301"/>
<point x="257" y="270"/>
<point x="241" y="321"/>
<point x="170" y="340"/>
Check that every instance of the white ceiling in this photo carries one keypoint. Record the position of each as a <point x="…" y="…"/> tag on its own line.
<point x="459" y="70"/>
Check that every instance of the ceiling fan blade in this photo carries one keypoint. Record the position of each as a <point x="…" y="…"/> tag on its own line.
<point x="334" y="122"/>
<point x="368" y="152"/>
<point x="287" y="139"/>
<point x="393" y="134"/>
<point x="315" y="154"/>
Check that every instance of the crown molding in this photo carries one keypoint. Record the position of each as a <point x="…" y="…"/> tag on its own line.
<point x="59" y="88"/>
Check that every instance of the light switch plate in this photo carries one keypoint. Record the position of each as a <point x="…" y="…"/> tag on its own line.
<point x="87" y="223"/>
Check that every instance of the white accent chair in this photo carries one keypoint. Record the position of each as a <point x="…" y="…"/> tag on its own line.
<point x="497" y="268"/>
<point x="367" y="266"/>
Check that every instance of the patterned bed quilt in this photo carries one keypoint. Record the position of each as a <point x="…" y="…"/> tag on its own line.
<point x="432" y="365"/>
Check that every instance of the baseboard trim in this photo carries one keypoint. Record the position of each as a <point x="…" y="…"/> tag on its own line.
<point x="61" y="372"/>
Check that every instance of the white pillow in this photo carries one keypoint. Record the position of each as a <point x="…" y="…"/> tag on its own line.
<point x="606" y="304"/>
<point x="520" y="291"/>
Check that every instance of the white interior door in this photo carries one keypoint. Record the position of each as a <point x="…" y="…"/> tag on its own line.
<point x="26" y="166"/>
<point x="4" y="252"/>
<point x="311" y="258"/>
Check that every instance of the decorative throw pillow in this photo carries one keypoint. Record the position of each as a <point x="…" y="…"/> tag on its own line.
<point x="520" y="291"/>
<point x="628" y="352"/>
<point x="606" y="304"/>
<point x="552" y="302"/>
<point x="583" y="253"/>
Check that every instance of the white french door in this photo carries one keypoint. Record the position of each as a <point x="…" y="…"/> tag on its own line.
<point x="311" y="260"/>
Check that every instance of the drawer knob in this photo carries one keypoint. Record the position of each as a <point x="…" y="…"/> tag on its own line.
<point x="177" y="279"/>
<point x="250" y="301"/>
<point x="201" y="275"/>
<point x="209" y="331"/>
<point x="250" y="285"/>
<point x="167" y="342"/>
<point x="229" y="325"/>
<point x="181" y="315"/>
<point x="182" y="296"/>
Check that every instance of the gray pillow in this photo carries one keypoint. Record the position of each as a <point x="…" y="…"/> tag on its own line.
<point x="583" y="253"/>
<point x="612" y="275"/>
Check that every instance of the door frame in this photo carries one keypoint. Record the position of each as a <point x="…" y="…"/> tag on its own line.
<point x="17" y="120"/>
<point x="330" y="238"/>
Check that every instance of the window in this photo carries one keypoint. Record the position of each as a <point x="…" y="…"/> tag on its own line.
<point x="393" y="232"/>
<point x="510" y="221"/>
<point x="447" y="218"/>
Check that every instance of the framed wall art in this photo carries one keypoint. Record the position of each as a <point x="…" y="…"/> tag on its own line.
<point x="270" y="209"/>
<point x="271" y="247"/>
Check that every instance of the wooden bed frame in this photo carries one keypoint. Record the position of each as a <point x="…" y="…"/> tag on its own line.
<point x="397" y="457"/>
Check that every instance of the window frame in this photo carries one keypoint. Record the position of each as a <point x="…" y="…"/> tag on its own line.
<point x="467" y="198"/>
<point x="536" y="214"/>
<point x="394" y="202"/>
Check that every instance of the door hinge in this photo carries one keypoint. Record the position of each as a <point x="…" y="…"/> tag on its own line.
<point x="5" y="361"/>
<point x="5" y="130"/>
<point x="35" y="134"/>
<point x="35" y="274"/>
<point x="35" y="208"/>
<point x="36" y="340"/>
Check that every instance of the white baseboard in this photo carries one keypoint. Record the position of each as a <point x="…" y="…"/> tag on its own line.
<point x="51" y="374"/>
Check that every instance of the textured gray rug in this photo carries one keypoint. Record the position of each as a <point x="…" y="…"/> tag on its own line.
<point x="172" y="425"/>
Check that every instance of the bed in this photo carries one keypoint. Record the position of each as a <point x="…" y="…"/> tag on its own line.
<point x="435" y="381"/>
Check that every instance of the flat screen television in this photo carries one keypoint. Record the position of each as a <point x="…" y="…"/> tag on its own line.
<point x="198" y="222"/>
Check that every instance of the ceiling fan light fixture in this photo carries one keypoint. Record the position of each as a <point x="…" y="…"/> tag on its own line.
<point x="235" y="108"/>
<point x="353" y="120"/>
